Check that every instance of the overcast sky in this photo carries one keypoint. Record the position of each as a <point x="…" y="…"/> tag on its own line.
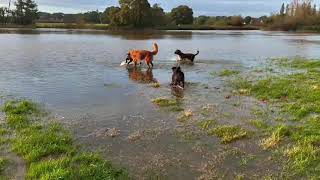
<point x="200" y="7"/>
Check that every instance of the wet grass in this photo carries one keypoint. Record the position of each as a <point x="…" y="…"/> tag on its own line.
<point x="298" y="63"/>
<point x="49" y="149"/>
<point x="3" y="164"/>
<point x="277" y="135"/>
<point x="259" y="124"/>
<point x="170" y="104"/>
<point x="228" y="133"/>
<point x="228" y="72"/>
<point x="298" y="96"/>
<point x="206" y="124"/>
<point x="83" y="166"/>
<point x="155" y="85"/>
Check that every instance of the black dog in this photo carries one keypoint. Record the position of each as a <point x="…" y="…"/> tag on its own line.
<point x="177" y="77"/>
<point x="184" y="56"/>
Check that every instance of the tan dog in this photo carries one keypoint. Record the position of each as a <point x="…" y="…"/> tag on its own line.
<point x="136" y="56"/>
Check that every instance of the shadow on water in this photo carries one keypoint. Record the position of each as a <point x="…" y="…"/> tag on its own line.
<point x="136" y="74"/>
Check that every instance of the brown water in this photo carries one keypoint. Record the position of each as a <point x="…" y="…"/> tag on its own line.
<point x="76" y="75"/>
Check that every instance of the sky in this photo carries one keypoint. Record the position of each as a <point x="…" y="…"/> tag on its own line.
<point x="200" y="7"/>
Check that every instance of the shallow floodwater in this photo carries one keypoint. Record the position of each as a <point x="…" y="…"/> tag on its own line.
<point x="76" y="75"/>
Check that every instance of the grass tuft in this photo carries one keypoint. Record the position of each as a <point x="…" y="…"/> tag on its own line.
<point x="172" y="104"/>
<point x="228" y="133"/>
<point x="260" y="124"/>
<point x="227" y="72"/>
<point x="3" y="164"/>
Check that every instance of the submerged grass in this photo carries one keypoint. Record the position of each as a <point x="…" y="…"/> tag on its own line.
<point x="258" y="123"/>
<point x="49" y="149"/>
<point x="298" y="95"/>
<point x="228" y="72"/>
<point x="298" y="63"/>
<point x="228" y="133"/>
<point x="171" y="104"/>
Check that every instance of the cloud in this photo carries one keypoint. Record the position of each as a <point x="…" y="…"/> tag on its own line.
<point x="200" y="7"/>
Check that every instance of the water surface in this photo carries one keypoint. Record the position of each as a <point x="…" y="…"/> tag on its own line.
<point x="76" y="74"/>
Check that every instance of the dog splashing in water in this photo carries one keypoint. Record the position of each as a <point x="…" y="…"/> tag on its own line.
<point x="137" y="56"/>
<point x="177" y="77"/>
<point x="186" y="57"/>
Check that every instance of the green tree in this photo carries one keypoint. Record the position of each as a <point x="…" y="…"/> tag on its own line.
<point x="158" y="15"/>
<point x="248" y="20"/>
<point x="111" y="15"/>
<point x="182" y="15"/>
<point x="236" y="21"/>
<point x="141" y="13"/>
<point x="26" y="11"/>
<point x="202" y="20"/>
<point x="2" y="15"/>
<point x="92" y="17"/>
<point x="282" y="10"/>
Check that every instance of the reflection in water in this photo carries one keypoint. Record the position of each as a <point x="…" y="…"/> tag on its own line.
<point x="139" y="76"/>
<point x="125" y="34"/>
<point x="178" y="92"/>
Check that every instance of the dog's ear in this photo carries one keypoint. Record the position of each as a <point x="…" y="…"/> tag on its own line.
<point x="179" y="68"/>
<point x="174" y="68"/>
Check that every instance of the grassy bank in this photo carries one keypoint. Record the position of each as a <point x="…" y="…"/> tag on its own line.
<point x="107" y="27"/>
<point x="198" y="27"/>
<point x="297" y="95"/>
<point x="49" y="149"/>
<point x="72" y="26"/>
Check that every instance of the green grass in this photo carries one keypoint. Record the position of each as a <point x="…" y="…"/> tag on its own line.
<point x="227" y="72"/>
<point x="3" y="164"/>
<point x="49" y="149"/>
<point x="170" y="104"/>
<point x="83" y="166"/>
<point x="299" y="93"/>
<point x="206" y="124"/>
<point x="228" y="133"/>
<point x="260" y="124"/>
<point x="298" y="96"/>
<point x="34" y="143"/>
<point x="298" y="63"/>
<point x="276" y="137"/>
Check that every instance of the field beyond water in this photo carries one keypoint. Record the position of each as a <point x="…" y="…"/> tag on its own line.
<point x="70" y="111"/>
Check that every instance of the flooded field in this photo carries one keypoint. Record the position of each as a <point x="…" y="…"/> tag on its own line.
<point x="133" y="117"/>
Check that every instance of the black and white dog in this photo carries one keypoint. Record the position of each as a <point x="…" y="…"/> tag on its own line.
<point x="183" y="56"/>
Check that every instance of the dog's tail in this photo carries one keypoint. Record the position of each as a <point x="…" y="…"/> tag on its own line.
<point x="197" y="53"/>
<point x="155" y="49"/>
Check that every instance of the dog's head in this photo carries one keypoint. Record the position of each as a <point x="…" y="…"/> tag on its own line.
<point x="176" y="69"/>
<point x="177" y="52"/>
<point x="129" y="58"/>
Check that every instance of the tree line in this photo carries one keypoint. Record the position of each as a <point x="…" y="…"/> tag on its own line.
<point x="299" y="14"/>
<point x="132" y="13"/>
<point x="140" y="14"/>
<point x="129" y="13"/>
<point x="24" y="13"/>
